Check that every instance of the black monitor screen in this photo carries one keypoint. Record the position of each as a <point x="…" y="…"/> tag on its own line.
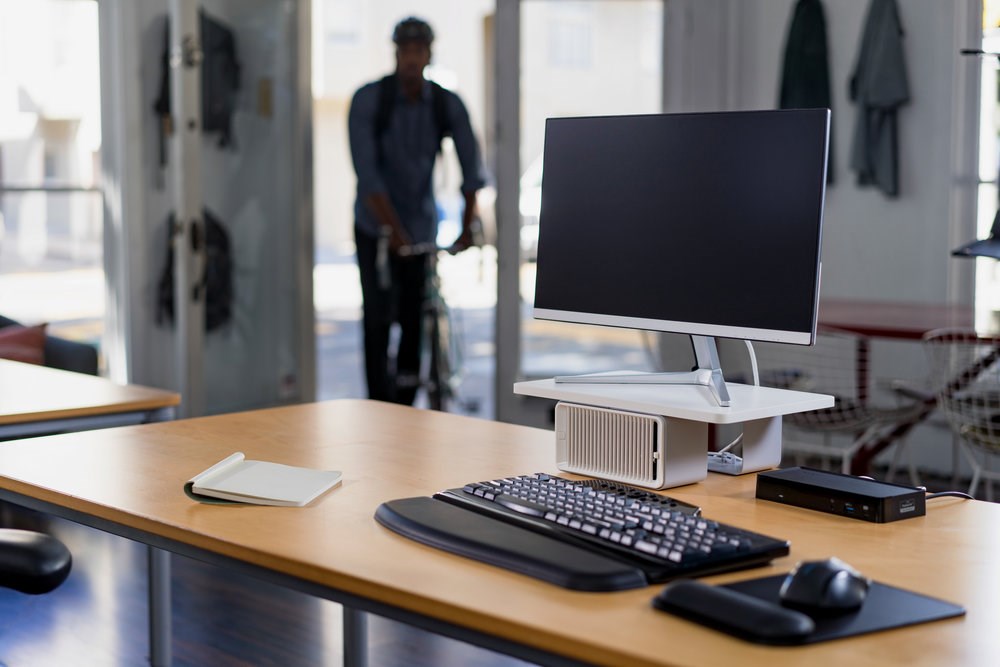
<point x="704" y="223"/>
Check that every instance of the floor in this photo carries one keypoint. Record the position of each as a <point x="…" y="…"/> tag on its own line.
<point x="98" y="617"/>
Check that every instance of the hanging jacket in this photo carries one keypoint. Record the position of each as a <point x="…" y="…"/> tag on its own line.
<point x="805" y="71"/>
<point x="879" y="86"/>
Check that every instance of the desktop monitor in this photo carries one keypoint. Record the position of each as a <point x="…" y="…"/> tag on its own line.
<point x="707" y="224"/>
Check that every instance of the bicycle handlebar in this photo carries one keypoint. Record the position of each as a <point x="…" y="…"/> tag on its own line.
<point x="415" y="249"/>
<point x="412" y="250"/>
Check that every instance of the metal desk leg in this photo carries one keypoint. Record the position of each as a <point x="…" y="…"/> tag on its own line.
<point x="355" y="638"/>
<point x="159" y="607"/>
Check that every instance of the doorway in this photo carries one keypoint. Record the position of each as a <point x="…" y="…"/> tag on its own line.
<point x="352" y="46"/>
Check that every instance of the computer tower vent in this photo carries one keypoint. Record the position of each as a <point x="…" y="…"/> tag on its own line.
<point x="629" y="447"/>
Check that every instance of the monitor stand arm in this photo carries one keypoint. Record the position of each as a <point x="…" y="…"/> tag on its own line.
<point x="707" y="372"/>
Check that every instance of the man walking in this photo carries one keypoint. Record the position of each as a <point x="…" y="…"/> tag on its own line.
<point x="396" y="126"/>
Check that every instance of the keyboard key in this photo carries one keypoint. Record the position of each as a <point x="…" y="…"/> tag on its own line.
<point x="521" y="506"/>
<point x="648" y="547"/>
<point x="660" y="535"/>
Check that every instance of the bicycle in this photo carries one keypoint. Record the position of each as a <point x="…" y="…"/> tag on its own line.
<point x="442" y="340"/>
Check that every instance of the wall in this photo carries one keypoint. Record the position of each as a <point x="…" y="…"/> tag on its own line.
<point x="727" y="55"/>
<point x="876" y="247"/>
<point x="895" y="249"/>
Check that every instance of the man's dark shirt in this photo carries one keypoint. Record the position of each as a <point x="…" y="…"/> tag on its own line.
<point x="403" y="168"/>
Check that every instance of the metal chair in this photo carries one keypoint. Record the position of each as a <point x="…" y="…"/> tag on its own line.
<point x="967" y="368"/>
<point x="838" y="365"/>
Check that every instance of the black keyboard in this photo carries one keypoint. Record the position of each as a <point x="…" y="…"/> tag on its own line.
<point x="591" y="535"/>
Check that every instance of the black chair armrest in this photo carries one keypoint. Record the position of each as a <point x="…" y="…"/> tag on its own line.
<point x="67" y="355"/>
<point x="32" y="562"/>
<point x="70" y="355"/>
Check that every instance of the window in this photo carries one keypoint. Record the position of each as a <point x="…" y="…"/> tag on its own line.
<point x="51" y="214"/>
<point x="570" y="43"/>
<point x="342" y="22"/>
<point x="988" y="270"/>
<point x="50" y="170"/>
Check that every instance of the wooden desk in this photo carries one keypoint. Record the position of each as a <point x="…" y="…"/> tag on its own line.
<point x="37" y="399"/>
<point x="128" y="481"/>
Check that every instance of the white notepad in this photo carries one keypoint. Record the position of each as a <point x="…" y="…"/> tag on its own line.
<point x="234" y="479"/>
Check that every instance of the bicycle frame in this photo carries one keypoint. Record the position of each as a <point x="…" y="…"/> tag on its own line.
<point x="443" y="369"/>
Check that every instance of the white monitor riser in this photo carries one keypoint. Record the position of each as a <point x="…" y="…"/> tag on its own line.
<point x="759" y="409"/>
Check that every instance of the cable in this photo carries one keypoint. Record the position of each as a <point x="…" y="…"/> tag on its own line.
<point x="737" y="440"/>
<point x="756" y="381"/>
<point x="943" y="494"/>
<point x="753" y="362"/>
<point x="931" y="496"/>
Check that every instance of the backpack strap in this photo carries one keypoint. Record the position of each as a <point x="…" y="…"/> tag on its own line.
<point x="387" y="87"/>
<point x="439" y="103"/>
<point x="383" y="110"/>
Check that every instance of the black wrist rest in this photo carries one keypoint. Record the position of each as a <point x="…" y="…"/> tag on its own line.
<point x="32" y="562"/>
<point x="733" y="612"/>
<point x="473" y="535"/>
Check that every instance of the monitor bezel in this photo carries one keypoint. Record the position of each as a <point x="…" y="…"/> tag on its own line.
<point x="795" y="337"/>
<point x="691" y="328"/>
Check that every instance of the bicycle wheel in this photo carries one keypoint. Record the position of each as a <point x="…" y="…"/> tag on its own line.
<point x="436" y="379"/>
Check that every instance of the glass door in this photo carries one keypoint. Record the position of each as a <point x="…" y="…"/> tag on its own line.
<point x="352" y="46"/>
<point x="599" y="57"/>
<point x="560" y="59"/>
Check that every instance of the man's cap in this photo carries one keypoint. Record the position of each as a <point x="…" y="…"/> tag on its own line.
<point x="413" y="29"/>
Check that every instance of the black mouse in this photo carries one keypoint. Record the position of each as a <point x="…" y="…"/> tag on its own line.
<point x="829" y="585"/>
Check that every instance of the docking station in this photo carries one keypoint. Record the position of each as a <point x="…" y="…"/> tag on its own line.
<point x="843" y="495"/>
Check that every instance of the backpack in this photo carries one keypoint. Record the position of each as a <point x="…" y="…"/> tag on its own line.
<point x="220" y="80"/>
<point x="216" y="284"/>
<point x="387" y="97"/>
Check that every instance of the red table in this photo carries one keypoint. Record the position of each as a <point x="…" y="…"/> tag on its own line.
<point x="891" y="320"/>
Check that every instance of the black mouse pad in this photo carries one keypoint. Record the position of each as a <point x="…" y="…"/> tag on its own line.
<point x="884" y="608"/>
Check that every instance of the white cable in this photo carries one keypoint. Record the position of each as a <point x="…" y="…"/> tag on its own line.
<point x="756" y="381"/>
<point x="737" y="440"/>
<point x="753" y="362"/>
